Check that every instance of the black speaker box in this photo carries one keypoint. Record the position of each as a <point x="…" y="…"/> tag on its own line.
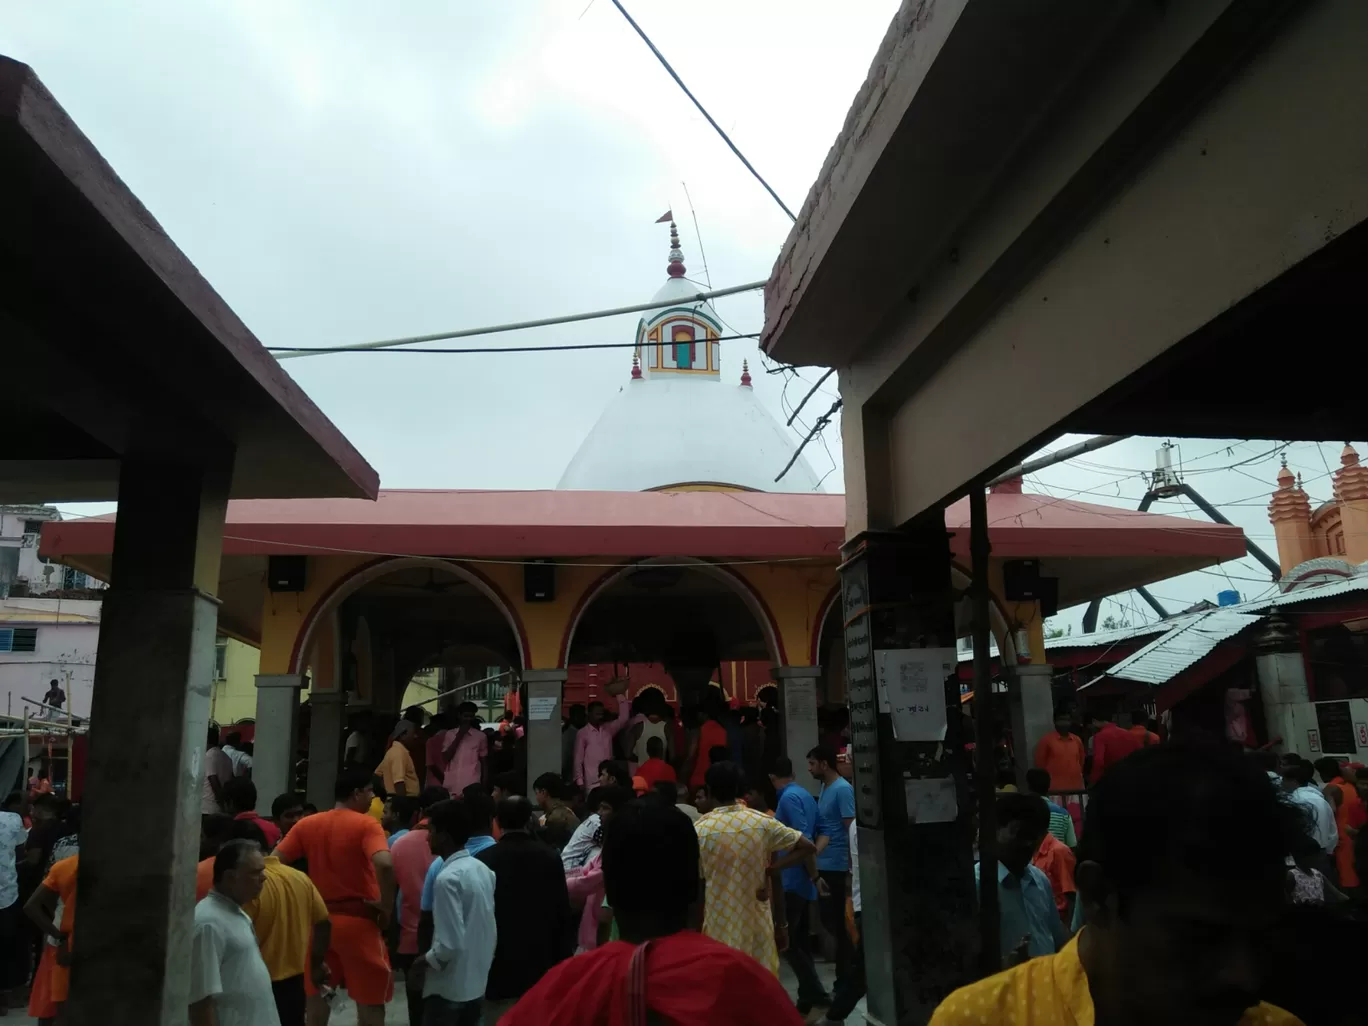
<point x="286" y="573"/>
<point x="539" y="581"/>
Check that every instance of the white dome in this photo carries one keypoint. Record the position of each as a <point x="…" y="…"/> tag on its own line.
<point x="679" y="430"/>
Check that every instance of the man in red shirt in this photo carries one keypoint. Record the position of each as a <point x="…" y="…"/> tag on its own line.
<point x="349" y="862"/>
<point x="660" y="970"/>
<point x="655" y="767"/>
<point x="1111" y="744"/>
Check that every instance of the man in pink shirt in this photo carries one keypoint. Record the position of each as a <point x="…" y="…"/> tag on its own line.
<point x="1110" y="745"/>
<point x="464" y="751"/>
<point x="594" y="742"/>
<point x="412" y="857"/>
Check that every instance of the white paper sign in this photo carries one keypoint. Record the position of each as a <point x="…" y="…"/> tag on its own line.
<point x="539" y="708"/>
<point x="931" y="801"/>
<point x="800" y="699"/>
<point x="912" y="683"/>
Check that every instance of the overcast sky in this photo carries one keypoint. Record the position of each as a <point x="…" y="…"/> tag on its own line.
<point x="344" y="171"/>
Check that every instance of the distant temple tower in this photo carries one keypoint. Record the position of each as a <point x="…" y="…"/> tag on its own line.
<point x="1330" y="542"/>
<point x="676" y="424"/>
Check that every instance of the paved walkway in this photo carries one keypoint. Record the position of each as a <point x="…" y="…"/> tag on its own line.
<point x="397" y="1016"/>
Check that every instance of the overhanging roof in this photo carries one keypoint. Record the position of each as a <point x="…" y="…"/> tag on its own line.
<point x="687" y="523"/>
<point x="126" y="350"/>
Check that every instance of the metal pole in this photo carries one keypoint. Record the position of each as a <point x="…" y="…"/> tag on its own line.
<point x="24" y="772"/>
<point x="462" y="687"/>
<point x="985" y="736"/>
<point x="1058" y="456"/>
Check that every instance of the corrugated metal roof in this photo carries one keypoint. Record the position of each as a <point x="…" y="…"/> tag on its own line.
<point x="1181" y="647"/>
<point x="1321" y="591"/>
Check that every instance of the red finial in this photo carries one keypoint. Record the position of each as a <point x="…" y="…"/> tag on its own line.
<point x="745" y="373"/>
<point x="636" y="368"/>
<point x="676" y="266"/>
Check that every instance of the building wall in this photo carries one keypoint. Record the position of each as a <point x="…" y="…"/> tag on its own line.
<point x="234" y="695"/>
<point x="68" y="633"/>
<point x="21" y="570"/>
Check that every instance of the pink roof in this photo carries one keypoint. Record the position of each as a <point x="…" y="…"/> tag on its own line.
<point x="705" y="524"/>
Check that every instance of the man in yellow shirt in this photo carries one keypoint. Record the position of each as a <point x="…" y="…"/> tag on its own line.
<point x="1180" y="866"/>
<point x="293" y="931"/>
<point x="397" y="769"/>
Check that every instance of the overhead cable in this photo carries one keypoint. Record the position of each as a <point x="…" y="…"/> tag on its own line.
<point x="299" y="350"/>
<point x="702" y="110"/>
<point x="289" y="352"/>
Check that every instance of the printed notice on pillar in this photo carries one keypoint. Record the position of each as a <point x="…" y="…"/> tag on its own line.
<point x="541" y="708"/>
<point x="800" y="698"/>
<point x="911" y="682"/>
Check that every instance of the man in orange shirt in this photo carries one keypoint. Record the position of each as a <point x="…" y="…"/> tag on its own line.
<point x="1110" y="745"/>
<point x="1140" y="729"/>
<point x="1054" y="859"/>
<point x="1061" y="755"/>
<point x="1344" y="799"/>
<point x="349" y="861"/>
<point x="53" y="907"/>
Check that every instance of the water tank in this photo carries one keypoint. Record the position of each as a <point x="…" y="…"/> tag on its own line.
<point x="1227" y="598"/>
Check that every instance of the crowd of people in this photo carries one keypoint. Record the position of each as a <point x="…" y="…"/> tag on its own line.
<point x="636" y="892"/>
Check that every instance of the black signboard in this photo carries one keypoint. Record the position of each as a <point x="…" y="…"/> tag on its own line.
<point x="1336" y="725"/>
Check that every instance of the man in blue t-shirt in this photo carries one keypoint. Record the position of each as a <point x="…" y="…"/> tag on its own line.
<point x="835" y="813"/>
<point x="798" y="809"/>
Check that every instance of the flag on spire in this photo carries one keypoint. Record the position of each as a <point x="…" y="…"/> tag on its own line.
<point x="667" y="216"/>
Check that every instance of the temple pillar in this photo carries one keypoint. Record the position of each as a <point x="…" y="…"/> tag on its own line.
<point x="1351" y="490"/>
<point x="327" y="713"/>
<point x="277" y="721"/>
<point x="798" y="712"/>
<point x="1281" y="671"/>
<point x="1035" y="699"/>
<point x="141" y="808"/>
<point x="543" y="710"/>
<point x="913" y="802"/>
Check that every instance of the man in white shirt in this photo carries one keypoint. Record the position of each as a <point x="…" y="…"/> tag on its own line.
<point x="14" y="944"/>
<point x="580" y="848"/>
<point x="242" y="762"/>
<point x="455" y="968"/>
<point x="229" y="982"/>
<point x="1297" y="781"/>
<point x="218" y="770"/>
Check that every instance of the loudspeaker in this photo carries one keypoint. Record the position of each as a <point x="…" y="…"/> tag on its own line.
<point x="1021" y="580"/>
<point x="285" y="573"/>
<point x="539" y="581"/>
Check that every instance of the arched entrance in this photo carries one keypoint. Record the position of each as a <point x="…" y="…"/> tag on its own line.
<point x="432" y="605"/>
<point x="697" y="620"/>
<point x="378" y="629"/>
<point x="828" y="650"/>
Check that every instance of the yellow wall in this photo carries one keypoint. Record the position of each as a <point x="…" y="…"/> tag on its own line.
<point x="234" y="697"/>
<point x="794" y="594"/>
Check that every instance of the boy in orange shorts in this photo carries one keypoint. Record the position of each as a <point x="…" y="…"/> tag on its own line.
<point x="349" y="862"/>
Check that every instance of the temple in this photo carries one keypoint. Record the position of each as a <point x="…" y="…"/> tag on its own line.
<point x="664" y="556"/>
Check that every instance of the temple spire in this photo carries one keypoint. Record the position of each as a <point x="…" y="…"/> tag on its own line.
<point x="745" y="373"/>
<point x="636" y="368"/>
<point x="676" y="266"/>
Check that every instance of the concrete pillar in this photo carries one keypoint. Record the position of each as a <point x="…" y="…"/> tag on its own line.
<point x="277" y="722"/>
<point x="544" y="721"/>
<point x="916" y="871"/>
<point x="1281" y="671"/>
<point x="798" y="712"/>
<point x="543" y="735"/>
<point x="141" y="809"/>
<point x="327" y="714"/>
<point x="1032" y="705"/>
